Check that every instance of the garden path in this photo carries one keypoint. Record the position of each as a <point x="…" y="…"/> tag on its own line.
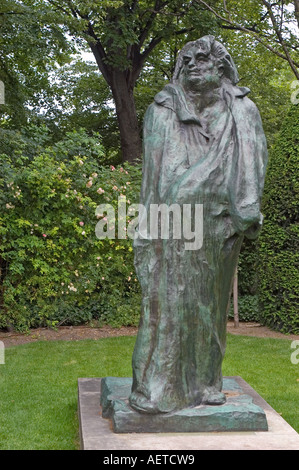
<point x="75" y="333"/>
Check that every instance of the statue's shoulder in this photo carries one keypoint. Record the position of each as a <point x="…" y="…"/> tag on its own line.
<point x="166" y="96"/>
<point x="159" y="111"/>
<point x="154" y="114"/>
<point x="250" y="109"/>
<point x="242" y="101"/>
<point x="170" y="97"/>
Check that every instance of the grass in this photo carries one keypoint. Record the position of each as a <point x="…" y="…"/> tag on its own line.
<point x="38" y="384"/>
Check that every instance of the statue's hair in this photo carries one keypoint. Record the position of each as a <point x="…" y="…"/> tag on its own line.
<point x="209" y="46"/>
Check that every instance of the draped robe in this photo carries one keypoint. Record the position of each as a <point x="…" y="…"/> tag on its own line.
<point x="186" y="293"/>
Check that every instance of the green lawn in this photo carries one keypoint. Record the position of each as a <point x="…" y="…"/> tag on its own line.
<point x="38" y="384"/>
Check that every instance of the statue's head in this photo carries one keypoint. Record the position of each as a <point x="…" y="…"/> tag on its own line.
<point x="204" y="63"/>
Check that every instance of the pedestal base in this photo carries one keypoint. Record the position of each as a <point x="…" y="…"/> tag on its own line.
<point x="96" y="433"/>
<point x="239" y="413"/>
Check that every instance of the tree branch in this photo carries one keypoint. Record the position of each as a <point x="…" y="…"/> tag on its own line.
<point x="280" y="39"/>
<point x="281" y="15"/>
<point x="133" y="6"/>
<point x="94" y="42"/>
<point x="285" y="56"/>
<point x="74" y="12"/>
<point x="157" y="9"/>
<point x="12" y="13"/>
<point x="59" y="7"/>
<point x="183" y="31"/>
<point x="296" y="5"/>
<point x="154" y="42"/>
<point x="237" y="28"/>
<point x="98" y="51"/>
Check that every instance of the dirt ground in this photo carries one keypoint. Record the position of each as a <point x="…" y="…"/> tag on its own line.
<point x="75" y="333"/>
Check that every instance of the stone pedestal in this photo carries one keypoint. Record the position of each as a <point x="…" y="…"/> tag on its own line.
<point x="239" y="413"/>
<point x="96" y="432"/>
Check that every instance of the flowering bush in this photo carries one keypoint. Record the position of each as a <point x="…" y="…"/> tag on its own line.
<point x="53" y="268"/>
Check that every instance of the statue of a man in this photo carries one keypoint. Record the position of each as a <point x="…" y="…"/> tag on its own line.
<point x="203" y="144"/>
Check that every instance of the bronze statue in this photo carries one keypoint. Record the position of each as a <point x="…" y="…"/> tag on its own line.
<point x="203" y="144"/>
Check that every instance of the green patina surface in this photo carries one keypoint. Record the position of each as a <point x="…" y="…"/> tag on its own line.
<point x="203" y="145"/>
<point x="239" y="413"/>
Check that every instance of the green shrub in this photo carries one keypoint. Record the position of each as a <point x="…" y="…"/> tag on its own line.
<point x="53" y="268"/>
<point x="247" y="268"/>
<point x="278" y="266"/>
<point x="247" y="308"/>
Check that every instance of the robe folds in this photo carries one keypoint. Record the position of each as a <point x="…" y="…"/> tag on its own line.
<point x="186" y="293"/>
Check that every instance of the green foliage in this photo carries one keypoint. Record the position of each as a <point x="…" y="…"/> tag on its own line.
<point x="29" y="50"/>
<point x="247" y="308"/>
<point x="44" y="86"/>
<point x="82" y="100"/>
<point x="278" y="244"/>
<point x="268" y="77"/>
<point x="247" y="268"/>
<point x="53" y="268"/>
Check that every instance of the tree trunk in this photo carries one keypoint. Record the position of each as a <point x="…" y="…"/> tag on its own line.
<point x="130" y="137"/>
<point x="235" y="296"/>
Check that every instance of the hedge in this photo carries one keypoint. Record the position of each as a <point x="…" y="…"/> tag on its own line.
<point x="278" y="267"/>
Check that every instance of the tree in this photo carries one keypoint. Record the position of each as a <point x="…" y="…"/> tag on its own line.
<point x="270" y="24"/>
<point x="29" y="50"/>
<point x="135" y="45"/>
<point x="122" y="34"/>
<point x="82" y="100"/>
<point x="268" y="77"/>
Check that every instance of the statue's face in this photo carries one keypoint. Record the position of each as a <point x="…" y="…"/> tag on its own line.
<point x="200" y="71"/>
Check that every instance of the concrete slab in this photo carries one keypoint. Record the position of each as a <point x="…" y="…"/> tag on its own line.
<point x="96" y="432"/>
